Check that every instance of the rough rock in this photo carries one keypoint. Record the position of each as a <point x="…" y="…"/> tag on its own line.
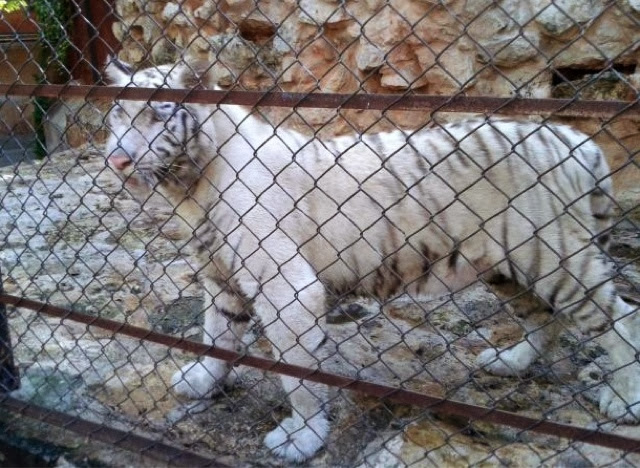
<point x="119" y="30"/>
<point x="369" y="56"/>
<point x="435" y="47"/>
<point x="531" y="82"/>
<point x="610" y="38"/>
<point x="502" y="34"/>
<point x="386" y="28"/>
<point x="206" y="10"/>
<point x="509" y="51"/>
<point x="71" y="123"/>
<point x="563" y="16"/>
<point x="174" y="13"/>
<point x="233" y="57"/>
<point x="449" y="71"/>
<point x="164" y="51"/>
<point x="319" y="12"/>
<point x="127" y="8"/>
<point x="402" y="70"/>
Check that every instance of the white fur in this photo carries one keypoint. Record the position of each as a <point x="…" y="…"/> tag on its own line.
<point x="516" y="359"/>
<point x="285" y="214"/>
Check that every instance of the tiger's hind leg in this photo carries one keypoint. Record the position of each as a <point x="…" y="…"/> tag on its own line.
<point x="620" y="399"/>
<point x="582" y="291"/>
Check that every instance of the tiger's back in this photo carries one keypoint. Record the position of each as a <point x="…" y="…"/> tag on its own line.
<point x="428" y="212"/>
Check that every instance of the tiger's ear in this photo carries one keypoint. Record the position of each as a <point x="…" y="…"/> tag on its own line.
<point x="117" y="71"/>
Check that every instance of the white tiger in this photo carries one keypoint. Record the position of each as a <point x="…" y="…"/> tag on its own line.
<point x="281" y="218"/>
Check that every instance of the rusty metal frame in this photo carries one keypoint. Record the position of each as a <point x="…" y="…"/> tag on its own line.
<point x="416" y="102"/>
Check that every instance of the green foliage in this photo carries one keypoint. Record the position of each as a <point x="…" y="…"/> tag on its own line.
<point x="9" y="6"/>
<point x="54" y="21"/>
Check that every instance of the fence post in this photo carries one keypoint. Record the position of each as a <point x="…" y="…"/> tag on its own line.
<point x="9" y="376"/>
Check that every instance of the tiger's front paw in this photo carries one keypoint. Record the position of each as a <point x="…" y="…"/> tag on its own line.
<point x="504" y="363"/>
<point x="297" y="440"/>
<point x="620" y="400"/>
<point x="198" y="380"/>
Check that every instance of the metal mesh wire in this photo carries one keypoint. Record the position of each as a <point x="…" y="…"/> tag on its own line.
<point x="80" y="231"/>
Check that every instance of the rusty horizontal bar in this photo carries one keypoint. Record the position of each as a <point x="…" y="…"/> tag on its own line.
<point x="414" y="102"/>
<point x="159" y="451"/>
<point x="432" y="403"/>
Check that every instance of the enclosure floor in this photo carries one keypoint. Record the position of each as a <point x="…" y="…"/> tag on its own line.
<point x="71" y="238"/>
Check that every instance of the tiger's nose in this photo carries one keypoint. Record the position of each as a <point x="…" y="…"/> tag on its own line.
<point x="119" y="161"/>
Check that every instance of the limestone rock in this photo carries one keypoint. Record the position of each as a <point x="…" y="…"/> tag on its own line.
<point x="273" y="12"/>
<point x="403" y="71"/>
<point x="438" y="27"/>
<point x="290" y="34"/>
<point x="119" y="30"/>
<point x="509" y="51"/>
<point x="502" y="34"/>
<point x="469" y="9"/>
<point x="610" y="38"/>
<point x="369" y="56"/>
<point x="206" y="10"/>
<point x="239" y="53"/>
<point x="532" y="81"/>
<point x="564" y="16"/>
<point x="233" y="57"/>
<point x="634" y="80"/>
<point x="449" y="71"/>
<point x="320" y="12"/>
<point x="153" y="7"/>
<point x="163" y="51"/>
<point x="310" y="66"/>
<point x="133" y="53"/>
<point x="335" y="79"/>
<point x="174" y="13"/>
<point x="147" y="29"/>
<point x="257" y="29"/>
<point x="127" y="8"/>
<point x="386" y="29"/>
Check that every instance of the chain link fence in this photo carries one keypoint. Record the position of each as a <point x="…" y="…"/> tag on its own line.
<point x="332" y="233"/>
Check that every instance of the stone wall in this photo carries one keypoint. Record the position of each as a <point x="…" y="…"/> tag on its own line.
<point x="487" y="47"/>
<point x="588" y="48"/>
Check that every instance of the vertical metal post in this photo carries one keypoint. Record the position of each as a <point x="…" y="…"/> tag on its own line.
<point x="9" y="376"/>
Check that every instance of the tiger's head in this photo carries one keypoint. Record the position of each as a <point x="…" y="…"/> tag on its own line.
<point x="151" y="144"/>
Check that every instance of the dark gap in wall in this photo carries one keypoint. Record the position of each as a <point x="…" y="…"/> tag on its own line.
<point x="256" y="31"/>
<point x="564" y="74"/>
